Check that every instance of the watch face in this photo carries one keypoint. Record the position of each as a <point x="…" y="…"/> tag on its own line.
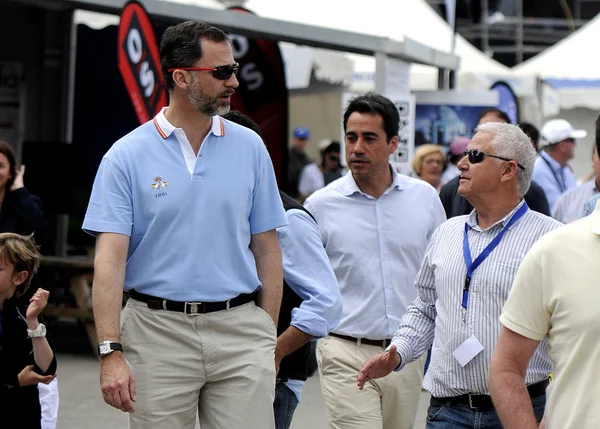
<point x="104" y="348"/>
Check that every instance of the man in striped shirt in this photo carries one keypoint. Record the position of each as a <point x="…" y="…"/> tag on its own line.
<point x="464" y="280"/>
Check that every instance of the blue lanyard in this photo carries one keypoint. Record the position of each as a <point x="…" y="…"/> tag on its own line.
<point x="472" y="265"/>
<point x="562" y="187"/>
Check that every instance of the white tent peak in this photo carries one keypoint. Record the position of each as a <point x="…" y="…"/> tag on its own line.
<point x="571" y="58"/>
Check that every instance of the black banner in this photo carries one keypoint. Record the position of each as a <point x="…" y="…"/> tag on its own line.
<point x="263" y="93"/>
<point x="139" y="62"/>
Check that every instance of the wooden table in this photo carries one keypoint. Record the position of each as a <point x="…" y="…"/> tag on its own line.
<point x="80" y="271"/>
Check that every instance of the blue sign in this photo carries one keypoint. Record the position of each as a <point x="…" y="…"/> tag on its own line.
<point x="507" y="101"/>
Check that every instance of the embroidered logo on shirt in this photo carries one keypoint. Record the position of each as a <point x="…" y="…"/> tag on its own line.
<point x="159" y="183"/>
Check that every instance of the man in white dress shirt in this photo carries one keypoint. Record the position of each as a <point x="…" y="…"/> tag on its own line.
<point x="375" y="225"/>
<point x="464" y="281"/>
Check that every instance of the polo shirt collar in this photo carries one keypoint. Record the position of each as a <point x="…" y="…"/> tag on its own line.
<point x="350" y="187"/>
<point x="165" y="128"/>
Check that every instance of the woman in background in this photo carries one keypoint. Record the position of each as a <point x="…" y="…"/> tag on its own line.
<point x="429" y="163"/>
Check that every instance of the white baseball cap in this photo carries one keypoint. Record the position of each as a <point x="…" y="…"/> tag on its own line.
<point x="557" y="130"/>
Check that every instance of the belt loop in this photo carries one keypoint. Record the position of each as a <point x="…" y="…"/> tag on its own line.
<point x="164" y="306"/>
<point x="383" y="344"/>
<point x="227" y="304"/>
<point x="358" y="342"/>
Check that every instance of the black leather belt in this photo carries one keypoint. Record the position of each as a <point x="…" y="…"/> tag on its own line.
<point x="379" y="343"/>
<point x="192" y="307"/>
<point x="484" y="402"/>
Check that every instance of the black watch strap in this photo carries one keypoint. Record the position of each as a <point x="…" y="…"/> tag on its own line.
<point x="107" y="347"/>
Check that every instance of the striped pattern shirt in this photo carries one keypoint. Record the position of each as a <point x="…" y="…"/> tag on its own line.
<point x="569" y="206"/>
<point x="435" y="317"/>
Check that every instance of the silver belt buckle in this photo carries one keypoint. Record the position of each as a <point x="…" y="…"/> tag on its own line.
<point x="193" y="306"/>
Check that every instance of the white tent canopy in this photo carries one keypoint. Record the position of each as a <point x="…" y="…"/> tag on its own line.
<point x="413" y="19"/>
<point x="571" y="66"/>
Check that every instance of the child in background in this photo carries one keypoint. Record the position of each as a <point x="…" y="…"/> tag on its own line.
<point x="26" y="358"/>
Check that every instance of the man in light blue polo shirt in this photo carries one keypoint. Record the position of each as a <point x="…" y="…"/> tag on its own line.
<point x="551" y="171"/>
<point x="185" y="209"/>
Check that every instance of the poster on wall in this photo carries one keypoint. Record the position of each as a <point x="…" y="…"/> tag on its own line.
<point x="11" y="99"/>
<point x="443" y="115"/>
<point x="403" y="155"/>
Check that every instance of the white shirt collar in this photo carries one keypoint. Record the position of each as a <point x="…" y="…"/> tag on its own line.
<point x="472" y="219"/>
<point x="350" y="187"/>
<point x="165" y="128"/>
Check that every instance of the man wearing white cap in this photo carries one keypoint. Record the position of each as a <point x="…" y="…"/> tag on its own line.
<point x="551" y="171"/>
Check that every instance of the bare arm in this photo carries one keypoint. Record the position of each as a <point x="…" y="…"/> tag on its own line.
<point x="506" y="380"/>
<point x="42" y="353"/>
<point x="116" y="380"/>
<point x="267" y="254"/>
<point x="288" y="342"/>
<point x="109" y="276"/>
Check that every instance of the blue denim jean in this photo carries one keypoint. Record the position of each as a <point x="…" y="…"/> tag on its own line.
<point x="284" y="406"/>
<point x="463" y="417"/>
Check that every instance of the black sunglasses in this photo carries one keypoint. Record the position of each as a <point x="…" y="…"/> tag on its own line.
<point x="219" y="72"/>
<point x="476" y="156"/>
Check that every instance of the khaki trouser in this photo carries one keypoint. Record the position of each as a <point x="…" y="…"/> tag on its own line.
<point x="389" y="403"/>
<point x="219" y="364"/>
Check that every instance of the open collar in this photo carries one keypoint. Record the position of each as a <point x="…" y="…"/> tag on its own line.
<point x="165" y="128"/>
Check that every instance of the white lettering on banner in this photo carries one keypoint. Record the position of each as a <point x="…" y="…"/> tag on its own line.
<point x="134" y="45"/>
<point x="239" y="45"/>
<point x="147" y="79"/>
<point x="249" y="74"/>
<point x="135" y="52"/>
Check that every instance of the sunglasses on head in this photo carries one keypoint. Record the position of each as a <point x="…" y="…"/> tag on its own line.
<point x="219" y="72"/>
<point x="476" y="156"/>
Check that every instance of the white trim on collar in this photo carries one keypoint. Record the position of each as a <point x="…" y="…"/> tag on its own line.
<point x="165" y="128"/>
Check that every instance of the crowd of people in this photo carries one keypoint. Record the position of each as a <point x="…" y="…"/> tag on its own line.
<point x="238" y="292"/>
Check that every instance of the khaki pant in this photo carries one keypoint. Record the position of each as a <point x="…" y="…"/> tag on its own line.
<point x="219" y="364"/>
<point x="389" y="403"/>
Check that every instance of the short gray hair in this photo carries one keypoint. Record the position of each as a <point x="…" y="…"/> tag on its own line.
<point x="511" y="142"/>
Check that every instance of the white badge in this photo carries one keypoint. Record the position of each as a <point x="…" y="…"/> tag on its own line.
<point x="467" y="351"/>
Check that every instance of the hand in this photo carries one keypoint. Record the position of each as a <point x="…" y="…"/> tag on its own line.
<point x="28" y="377"/>
<point x="378" y="366"/>
<point x="117" y="382"/>
<point x="36" y="304"/>
<point x="18" y="182"/>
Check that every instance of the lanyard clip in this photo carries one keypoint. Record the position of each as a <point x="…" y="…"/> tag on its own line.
<point x="463" y="311"/>
<point x="467" y="283"/>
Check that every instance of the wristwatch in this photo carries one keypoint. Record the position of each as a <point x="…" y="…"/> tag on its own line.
<point x="107" y="347"/>
<point x="40" y="331"/>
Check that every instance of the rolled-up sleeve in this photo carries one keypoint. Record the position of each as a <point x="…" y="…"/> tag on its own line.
<point x="306" y="269"/>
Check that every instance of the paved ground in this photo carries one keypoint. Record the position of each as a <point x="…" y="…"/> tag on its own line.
<point x="82" y="406"/>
